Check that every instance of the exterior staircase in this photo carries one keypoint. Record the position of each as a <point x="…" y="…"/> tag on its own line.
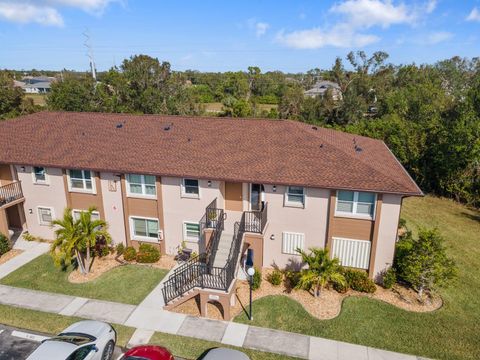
<point x="222" y="252"/>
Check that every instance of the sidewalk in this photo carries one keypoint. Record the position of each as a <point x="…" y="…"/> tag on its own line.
<point x="148" y="320"/>
<point x="31" y="250"/>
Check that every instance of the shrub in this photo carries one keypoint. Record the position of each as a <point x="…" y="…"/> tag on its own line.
<point x="4" y="244"/>
<point x="389" y="278"/>
<point x="257" y="279"/>
<point x="402" y="223"/>
<point x="340" y="287"/>
<point x="292" y="278"/>
<point x="423" y="262"/>
<point x="148" y="254"/>
<point x="275" y="277"/>
<point x="120" y="249"/>
<point x="130" y="253"/>
<point x="358" y="280"/>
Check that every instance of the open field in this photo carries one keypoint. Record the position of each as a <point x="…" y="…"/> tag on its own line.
<point x="216" y="108"/>
<point x="451" y="332"/>
<point x="127" y="284"/>
<point x="38" y="99"/>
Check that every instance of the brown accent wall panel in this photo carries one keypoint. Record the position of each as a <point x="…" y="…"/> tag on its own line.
<point x="255" y="242"/>
<point x="352" y="228"/>
<point x="5" y="175"/>
<point x="82" y="201"/>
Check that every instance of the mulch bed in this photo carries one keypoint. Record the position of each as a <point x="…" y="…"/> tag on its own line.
<point x="10" y="254"/>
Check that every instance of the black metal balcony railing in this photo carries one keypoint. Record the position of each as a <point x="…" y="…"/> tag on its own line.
<point x="199" y="271"/>
<point x="10" y="193"/>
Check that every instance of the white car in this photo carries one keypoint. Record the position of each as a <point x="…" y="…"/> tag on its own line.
<point x="84" y="340"/>
<point x="224" y="353"/>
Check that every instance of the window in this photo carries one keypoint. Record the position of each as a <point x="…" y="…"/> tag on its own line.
<point x="356" y="203"/>
<point x="295" y="196"/>
<point x="39" y="175"/>
<point x="191" y="231"/>
<point x="141" y="185"/>
<point x="144" y="228"/>
<point x="190" y="188"/>
<point x="81" y="180"/>
<point x="76" y="214"/>
<point x="81" y="353"/>
<point x="291" y="242"/>
<point x="45" y="215"/>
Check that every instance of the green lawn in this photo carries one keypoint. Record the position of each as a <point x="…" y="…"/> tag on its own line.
<point x="452" y="332"/>
<point x="190" y="348"/>
<point x="127" y="284"/>
<point x="51" y="324"/>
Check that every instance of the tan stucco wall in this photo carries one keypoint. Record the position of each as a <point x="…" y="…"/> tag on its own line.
<point x="113" y="207"/>
<point x="178" y="209"/>
<point x="387" y="232"/>
<point x="311" y="221"/>
<point x="51" y="195"/>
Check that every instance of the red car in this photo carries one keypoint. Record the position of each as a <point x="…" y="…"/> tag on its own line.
<point x="147" y="352"/>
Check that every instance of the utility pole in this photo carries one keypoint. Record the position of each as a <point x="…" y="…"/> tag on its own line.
<point x="88" y="45"/>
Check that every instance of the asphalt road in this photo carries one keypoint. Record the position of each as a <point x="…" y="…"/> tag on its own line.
<point x="17" y="344"/>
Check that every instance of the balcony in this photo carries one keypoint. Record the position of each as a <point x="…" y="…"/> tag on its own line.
<point x="10" y="193"/>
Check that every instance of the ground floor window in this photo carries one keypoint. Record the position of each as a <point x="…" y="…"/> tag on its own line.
<point x="191" y="231"/>
<point x="45" y="215"/>
<point x="144" y="228"/>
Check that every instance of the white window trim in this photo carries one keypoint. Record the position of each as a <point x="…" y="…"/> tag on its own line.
<point x="35" y="181"/>
<point x="79" y="210"/>
<point x="287" y="203"/>
<point x="144" y="195"/>
<point x="190" y="196"/>
<point x="143" y="238"/>
<point x="190" y="239"/>
<point x="40" y="222"/>
<point x="85" y="191"/>
<point x="355" y="202"/>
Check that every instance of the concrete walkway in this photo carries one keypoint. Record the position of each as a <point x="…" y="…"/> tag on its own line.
<point x="31" y="250"/>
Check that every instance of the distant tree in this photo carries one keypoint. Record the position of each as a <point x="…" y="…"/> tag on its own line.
<point x="72" y="94"/>
<point x="10" y="97"/>
<point x="291" y="102"/>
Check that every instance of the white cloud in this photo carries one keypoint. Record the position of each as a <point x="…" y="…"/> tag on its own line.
<point x="368" y="13"/>
<point x="259" y="27"/>
<point x="46" y="12"/>
<point x="438" y="37"/>
<point x="339" y="36"/>
<point x="474" y="15"/>
<point x="431" y="6"/>
<point x="356" y="16"/>
<point x="27" y="13"/>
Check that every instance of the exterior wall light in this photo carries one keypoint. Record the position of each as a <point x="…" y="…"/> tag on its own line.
<point x="209" y="183"/>
<point x="274" y="188"/>
<point x="272" y="237"/>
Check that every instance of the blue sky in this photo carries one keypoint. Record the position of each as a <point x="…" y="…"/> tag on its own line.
<point x="210" y="35"/>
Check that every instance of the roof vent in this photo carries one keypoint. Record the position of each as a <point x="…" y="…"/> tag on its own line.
<point x="189" y="139"/>
<point x="314" y="128"/>
<point x="119" y="126"/>
<point x="358" y="149"/>
<point x="166" y="128"/>
<point x="321" y="146"/>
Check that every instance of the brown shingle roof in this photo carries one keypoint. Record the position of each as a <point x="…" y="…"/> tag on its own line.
<point x="246" y="150"/>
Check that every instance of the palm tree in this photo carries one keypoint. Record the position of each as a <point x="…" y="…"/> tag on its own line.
<point x="91" y="231"/>
<point x="76" y="238"/>
<point x="321" y="270"/>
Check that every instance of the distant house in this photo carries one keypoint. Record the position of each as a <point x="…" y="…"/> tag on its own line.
<point x="321" y="87"/>
<point x="36" y="84"/>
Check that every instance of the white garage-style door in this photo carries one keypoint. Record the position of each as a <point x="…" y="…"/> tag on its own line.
<point x="352" y="253"/>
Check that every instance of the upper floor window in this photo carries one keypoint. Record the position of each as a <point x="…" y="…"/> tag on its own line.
<point x="39" y="175"/>
<point x="45" y="215"/>
<point x="141" y="185"/>
<point x="295" y="196"/>
<point x="81" y="180"/>
<point x="190" y="188"/>
<point x="356" y="203"/>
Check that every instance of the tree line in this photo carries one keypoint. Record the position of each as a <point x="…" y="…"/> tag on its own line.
<point x="429" y="115"/>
